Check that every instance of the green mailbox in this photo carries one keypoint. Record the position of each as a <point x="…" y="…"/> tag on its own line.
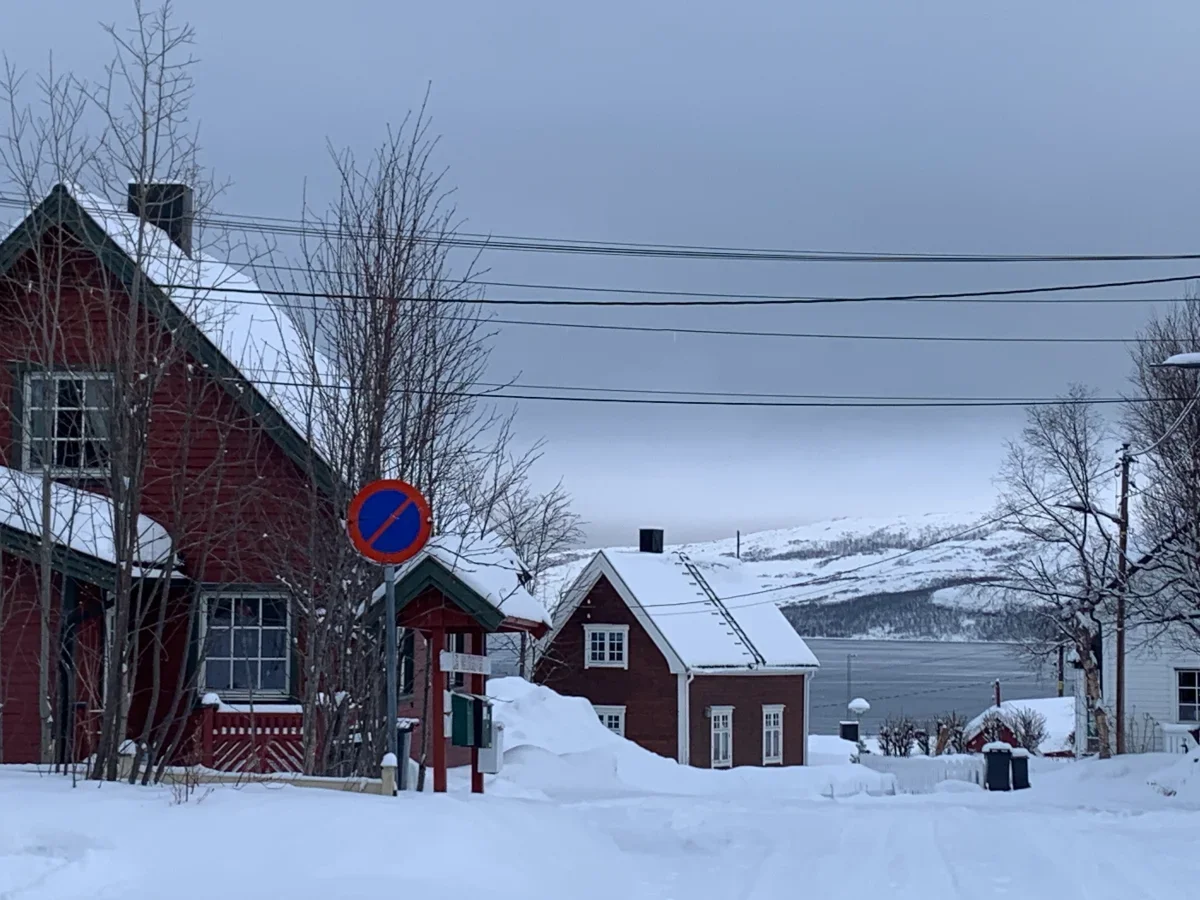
<point x="470" y="721"/>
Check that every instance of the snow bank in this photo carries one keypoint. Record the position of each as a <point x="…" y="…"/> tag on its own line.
<point x="556" y="745"/>
<point x="1180" y="780"/>
<point x="125" y="843"/>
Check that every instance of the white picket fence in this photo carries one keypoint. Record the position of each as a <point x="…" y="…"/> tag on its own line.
<point x="919" y="774"/>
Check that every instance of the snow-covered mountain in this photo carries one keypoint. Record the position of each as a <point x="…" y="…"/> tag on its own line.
<point x="910" y="576"/>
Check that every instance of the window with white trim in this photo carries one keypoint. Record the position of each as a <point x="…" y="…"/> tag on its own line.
<point x="612" y="718"/>
<point x="606" y="646"/>
<point x="246" y="645"/>
<point x="65" y="422"/>
<point x="721" y="736"/>
<point x="1188" y="687"/>
<point x="772" y="734"/>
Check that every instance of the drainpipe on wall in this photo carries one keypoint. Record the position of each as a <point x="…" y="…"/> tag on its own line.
<point x="683" y="704"/>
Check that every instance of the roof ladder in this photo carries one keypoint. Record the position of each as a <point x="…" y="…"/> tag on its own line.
<point x="721" y="607"/>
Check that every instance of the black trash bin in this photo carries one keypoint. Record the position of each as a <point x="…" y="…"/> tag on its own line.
<point x="848" y="731"/>
<point x="1020" y="768"/>
<point x="997" y="758"/>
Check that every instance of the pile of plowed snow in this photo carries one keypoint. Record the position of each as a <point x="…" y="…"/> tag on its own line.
<point x="1182" y="779"/>
<point x="557" y="746"/>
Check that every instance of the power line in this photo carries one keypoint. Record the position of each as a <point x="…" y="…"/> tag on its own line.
<point x="1000" y="295"/>
<point x="525" y="243"/>
<point x="212" y="295"/>
<point x="672" y="397"/>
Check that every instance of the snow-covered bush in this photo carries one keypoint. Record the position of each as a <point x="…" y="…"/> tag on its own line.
<point x="1028" y="727"/>
<point x="954" y="726"/>
<point x="896" y="736"/>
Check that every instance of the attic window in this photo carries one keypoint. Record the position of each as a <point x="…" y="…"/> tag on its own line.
<point x="65" y="422"/>
<point x="606" y="646"/>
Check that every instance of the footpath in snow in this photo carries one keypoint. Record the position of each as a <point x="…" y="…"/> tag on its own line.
<point x="579" y="812"/>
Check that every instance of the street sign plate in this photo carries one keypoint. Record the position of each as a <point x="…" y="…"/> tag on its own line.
<point x="389" y="521"/>
<point x="465" y="662"/>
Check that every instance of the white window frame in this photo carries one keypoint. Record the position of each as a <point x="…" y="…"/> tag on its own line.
<point x="715" y="714"/>
<point x="27" y="438"/>
<point x="769" y="710"/>
<point x="206" y="600"/>
<point x="617" y="712"/>
<point x="1179" y="704"/>
<point x="607" y="631"/>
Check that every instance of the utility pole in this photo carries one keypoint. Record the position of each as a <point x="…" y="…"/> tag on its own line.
<point x="739" y="544"/>
<point x="1062" y="653"/>
<point x="1122" y="570"/>
<point x="849" y="680"/>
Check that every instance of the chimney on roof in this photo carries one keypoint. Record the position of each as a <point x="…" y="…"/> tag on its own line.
<point x="168" y="206"/>
<point x="650" y="540"/>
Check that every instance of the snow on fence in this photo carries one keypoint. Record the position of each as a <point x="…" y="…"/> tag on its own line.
<point x="919" y="774"/>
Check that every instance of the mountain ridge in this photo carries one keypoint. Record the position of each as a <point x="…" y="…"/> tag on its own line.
<point x="912" y="576"/>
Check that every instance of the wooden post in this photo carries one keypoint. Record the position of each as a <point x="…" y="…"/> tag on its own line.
<point x="387" y="775"/>
<point x="438" y="734"/>
<point x="208" y="724"/>
<point x="478" y="688"/>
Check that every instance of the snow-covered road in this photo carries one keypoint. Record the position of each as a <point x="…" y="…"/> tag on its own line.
<point x="1051" y="841"/>
<point x="900" y="848"/>
<point x="581" y="814"/>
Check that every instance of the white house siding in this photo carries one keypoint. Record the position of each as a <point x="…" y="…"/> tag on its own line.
<point x="1150" y="686"/>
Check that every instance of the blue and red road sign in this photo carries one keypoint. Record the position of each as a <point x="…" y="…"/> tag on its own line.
<point x="389" y="521"/>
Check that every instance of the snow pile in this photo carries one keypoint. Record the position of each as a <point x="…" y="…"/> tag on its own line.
<point x="1059" y="713"/>
<point x="1180" y="780"/>
<point x="556" y="745"/>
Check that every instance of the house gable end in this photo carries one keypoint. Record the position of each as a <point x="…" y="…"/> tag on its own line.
<point x="60" y="209"/>
<point x="601" y="568"/>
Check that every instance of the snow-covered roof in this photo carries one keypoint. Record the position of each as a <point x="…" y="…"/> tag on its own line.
<point x="254" y="333"/>
<point x="1059" y="713"/>
<point x="79" y="519"/>
<point x="732" y="632"/>
<point x="487" y="567"/>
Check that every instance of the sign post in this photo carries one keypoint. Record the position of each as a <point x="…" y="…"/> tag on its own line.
<point x="389" y="521"/>
<point x="389" y="587"/>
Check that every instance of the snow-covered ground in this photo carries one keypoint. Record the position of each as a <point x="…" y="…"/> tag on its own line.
<point x="581" y="813"/>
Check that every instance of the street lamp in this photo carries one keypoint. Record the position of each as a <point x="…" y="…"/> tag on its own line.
<point x="1176" y="361"/>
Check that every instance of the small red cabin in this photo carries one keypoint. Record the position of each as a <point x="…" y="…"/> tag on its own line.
<point x="688" y="657"/>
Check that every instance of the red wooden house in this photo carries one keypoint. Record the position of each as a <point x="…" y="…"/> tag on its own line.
<point x="226" y="461"/>
<point x="685" y="656"/>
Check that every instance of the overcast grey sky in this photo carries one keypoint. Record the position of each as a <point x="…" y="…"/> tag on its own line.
<point x="1024" y="127"/>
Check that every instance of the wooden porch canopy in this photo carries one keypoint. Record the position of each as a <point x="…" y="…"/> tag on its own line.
<point x="461" y="586"/>
<point x="430" y="596"/>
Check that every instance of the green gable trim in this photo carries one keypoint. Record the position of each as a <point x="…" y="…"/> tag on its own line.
<point x="69" y="562"/>
<point x="431" y="573"/>
<point x="61" y="209"/>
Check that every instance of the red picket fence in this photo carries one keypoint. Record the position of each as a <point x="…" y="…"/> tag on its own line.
<point x="259" y="741"/>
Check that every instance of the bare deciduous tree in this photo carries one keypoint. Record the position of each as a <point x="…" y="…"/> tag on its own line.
<point x="1164" y="419"/>
<point x="1055" y="482"/>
